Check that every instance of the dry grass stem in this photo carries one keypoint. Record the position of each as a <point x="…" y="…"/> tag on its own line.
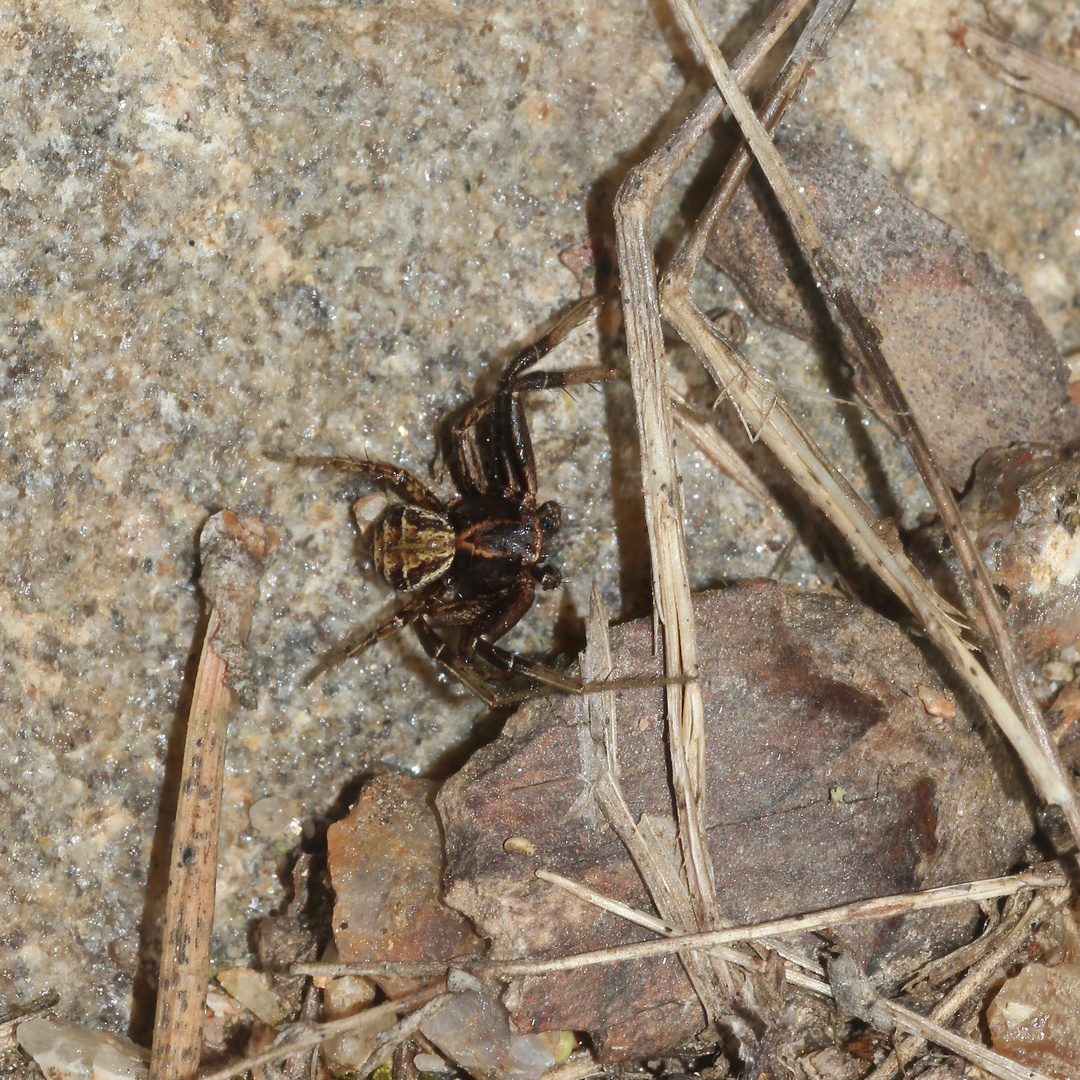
<point x="650" y="922"/>
<point x="705" y="436"/>
<point x="574" y="1070"/>
<point x="776" y="425"/>
<point x="1038" y="751"/>
<point x="404" y="969"/>
<point x="661" y="878"/>
<point x="189" y="908"/>
<point x="883" y="907"/>
<point x="305" y="1036"/>
<point x="896" y="1015"/>
<point x="9" y="1021"/>
<point x="234" y="551"/>
<point x="1021" y="68"/>
<point x="673" y="612"/>
<point x="971" y="988"/>
<point x="402" y="1030"/>
<point x="992" y="1063"/>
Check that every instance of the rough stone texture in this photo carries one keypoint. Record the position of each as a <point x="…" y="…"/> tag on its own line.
<point x="960" y="336"/>
<point x="473" y="1030"/>
<point x="1035" y="1018"/>
<point x="828" y="781"/>
<point x="324" y="226"/>
<point x="386" y="866"/>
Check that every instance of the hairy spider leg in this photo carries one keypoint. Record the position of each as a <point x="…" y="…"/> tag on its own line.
<point x="470" y="470"/>
<point x="511" y="662"/>
<point x="485" y="620"/>
<point x="507" y="608"/>
<point x="457" y="662"/>
<point x="467" y="456"/>
<point x="356" y="644"/>
<point x="514" y="465"/>
<point x="382" y="472"/>
<point x="443" y="614"/>
<point x="430" y="606"/>
<point x="449" y="658"/>
<point x="510" y="608"/>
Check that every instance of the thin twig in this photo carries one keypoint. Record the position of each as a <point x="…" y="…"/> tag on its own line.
<point x="658" y="926"/>
<point x="988" y="1060"/>
<point x="574" y="1070"/>
<point x="970" y="988"/>
<point x="705" y="436"/>
<point x="856" y="997"/>
<point x="1021" y="68"/>
<point x="10" y="1020"/>
<point x="302" y="1037"/>
<point x="234" y="551"/>
<point x="404" y="969"/>
<point x="403" y="1029"/>
<point x="884" y="907"/>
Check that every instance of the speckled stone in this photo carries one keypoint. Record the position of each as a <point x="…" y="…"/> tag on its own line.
<point x="316" y="226"/>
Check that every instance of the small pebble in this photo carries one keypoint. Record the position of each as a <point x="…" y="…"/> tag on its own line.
<point x="252" y="990"/>
<point x="519" y="845"/>
<point x="347" y="995"/>
<point x="432" y="1063"/>
<point x="1035" y="1018"/>
<point x="67" y="1051"/>
<point x="276" y="817"/>
<point x="368" y="508"/>
<point x="935" y="702"/>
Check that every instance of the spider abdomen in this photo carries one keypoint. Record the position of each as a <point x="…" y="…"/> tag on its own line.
<point x="497" y="538"/>
<point x="412" y="546"/>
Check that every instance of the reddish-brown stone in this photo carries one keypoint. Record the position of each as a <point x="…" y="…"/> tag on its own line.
<point x="828" y="781"/>
<point x="386" y="865"/>
<point x="960" y="335"/>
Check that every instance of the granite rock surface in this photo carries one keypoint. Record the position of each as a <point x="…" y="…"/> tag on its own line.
<point x="234" y="226"/>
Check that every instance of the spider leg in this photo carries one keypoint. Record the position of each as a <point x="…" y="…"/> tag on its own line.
<point x="359" y="643"/>
<point x="460" y="612"/>
<point x="382" y="472"/>
<point x="504" y="611"/>
<point x="511" y="662"/>
<point x="456" y="664"/>
<point x="514" y="466"/>
<point x="510" y="469"/>
<point x="459" y="662"/>
<point x="540" y="348"/>
<point x="494" y="616"/>
<point x="468" y="457"/>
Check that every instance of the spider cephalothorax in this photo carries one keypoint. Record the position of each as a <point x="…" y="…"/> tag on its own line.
<point x="473" y="562"/>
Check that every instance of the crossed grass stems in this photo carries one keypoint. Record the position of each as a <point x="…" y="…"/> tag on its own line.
<point x="647" y="295"/>
<point x="687" y="903"/>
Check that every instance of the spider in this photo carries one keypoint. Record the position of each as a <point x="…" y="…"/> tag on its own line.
<point x="474" y="562"/>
